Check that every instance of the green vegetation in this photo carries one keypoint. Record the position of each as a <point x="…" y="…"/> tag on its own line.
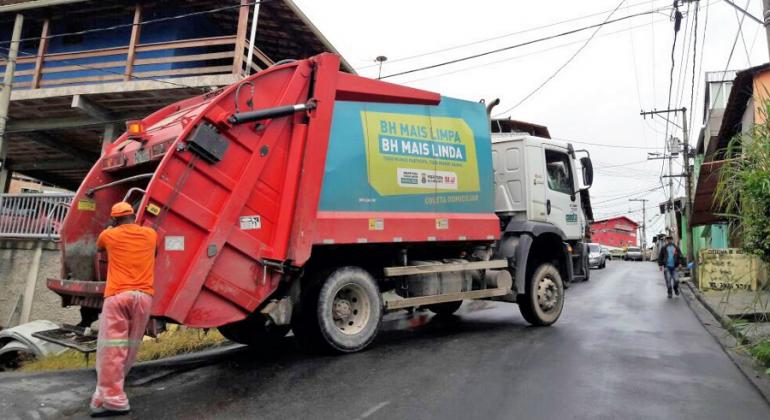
<point x="169" y="343"/>
<point x="743" y="189"/>
<point x="743" y="194"/>
<point x="762" y="352"/>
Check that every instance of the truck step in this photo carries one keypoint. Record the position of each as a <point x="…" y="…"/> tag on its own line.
<point x="449" y="297"/>
<point x="69" y="336"/>
<point x="410" y="270"/>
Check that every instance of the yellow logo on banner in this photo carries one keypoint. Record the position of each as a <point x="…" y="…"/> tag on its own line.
<point x="419" y="154"/>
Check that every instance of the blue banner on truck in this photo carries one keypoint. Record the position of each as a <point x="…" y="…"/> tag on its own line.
<point x="409" y="158"/>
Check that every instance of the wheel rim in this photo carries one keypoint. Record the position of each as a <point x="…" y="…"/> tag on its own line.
<point x="547" y="294"/>
<point x="351" y="309"/>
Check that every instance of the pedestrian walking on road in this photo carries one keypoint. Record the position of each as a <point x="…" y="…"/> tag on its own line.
<point x="669" y="258"/>
<point x="127" y="300"/>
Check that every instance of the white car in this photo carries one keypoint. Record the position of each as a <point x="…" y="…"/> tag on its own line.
<point x="596" y="258"/>
<point x="634" y="254"/>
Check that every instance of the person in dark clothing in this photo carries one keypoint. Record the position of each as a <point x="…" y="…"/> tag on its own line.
<point x="669" y="258"/>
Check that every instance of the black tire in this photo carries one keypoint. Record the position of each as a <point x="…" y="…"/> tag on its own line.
<point x="444" y="309"/>
<point x="348" y="298"/>
<point x="545" y="311"/>
<point x="254" y="331"/>
<point x="587" y="270"/>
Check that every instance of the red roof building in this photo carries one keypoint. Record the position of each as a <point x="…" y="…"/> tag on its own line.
<point x="617" y="231"/>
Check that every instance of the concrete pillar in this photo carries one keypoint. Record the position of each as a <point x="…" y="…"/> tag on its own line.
<point x="5" y="96"/>
<point x="29" y="288"/>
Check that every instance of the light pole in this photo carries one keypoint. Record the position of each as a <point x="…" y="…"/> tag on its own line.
<point x="644" y="224"/>
<point x="380" y="59"/>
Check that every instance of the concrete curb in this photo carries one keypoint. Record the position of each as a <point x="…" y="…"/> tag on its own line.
<point x="729" y="338"/>
<point x="50" y="395"/>
<point x="189" y="360"/>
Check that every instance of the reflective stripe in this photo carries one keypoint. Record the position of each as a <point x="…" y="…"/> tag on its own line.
<point x="119" y="342"/>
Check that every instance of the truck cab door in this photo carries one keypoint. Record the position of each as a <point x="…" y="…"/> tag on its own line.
<point x="536" y="206"/>
<point x="562" y="199"/>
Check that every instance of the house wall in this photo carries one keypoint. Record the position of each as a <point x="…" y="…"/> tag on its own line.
<point x="761" y="95"/>
<point x="15" y="260"/>
<point x="614" y="232"/>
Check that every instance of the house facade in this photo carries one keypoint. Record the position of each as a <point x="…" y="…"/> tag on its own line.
<point x="619" y="232"/>
<point x="741" y="112"/>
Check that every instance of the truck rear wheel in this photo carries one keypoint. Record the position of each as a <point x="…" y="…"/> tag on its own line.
<point x="445" y="309"/>
<point x="543" y="300"/>
<point x="253" y="330"/>
<point x="342" y="313"/>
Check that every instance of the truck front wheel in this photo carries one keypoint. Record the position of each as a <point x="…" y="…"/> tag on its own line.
<point x="543" y="300"/>
<point x="342" y="313"/>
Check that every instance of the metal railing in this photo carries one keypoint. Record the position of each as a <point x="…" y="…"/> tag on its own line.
<point x="34" y="216"/>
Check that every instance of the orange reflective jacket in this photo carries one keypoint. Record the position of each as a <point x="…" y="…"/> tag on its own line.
<point x="130" y="258"/>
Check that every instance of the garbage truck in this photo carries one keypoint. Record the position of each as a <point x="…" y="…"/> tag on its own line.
<point x="308" y="199"/>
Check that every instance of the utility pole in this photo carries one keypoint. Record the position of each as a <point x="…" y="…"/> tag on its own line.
<point x="688" y="188"/>
<point x="672" y="152"/>
<point x="644" y="224"/>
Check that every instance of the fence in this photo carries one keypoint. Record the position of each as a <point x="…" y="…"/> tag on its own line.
<point x="188" y="57"/>
<point x="34" y="216"/>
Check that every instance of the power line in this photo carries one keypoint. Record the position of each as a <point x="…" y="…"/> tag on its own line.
<point x="694" y="58"/>
<point x="677" y="25"/>
<point x="497" y="37"/>
<point x="700" y="64"/>
<point x="491" y="63"/>
<point x="522" y="44"/>
<point x="566" y="63"/>
<point x="616" y="146"/>
<point x="627" y="195"/>
<point x="743" y="39"/>
<point x="146" y="22"/>
<point x="620" y="164"/>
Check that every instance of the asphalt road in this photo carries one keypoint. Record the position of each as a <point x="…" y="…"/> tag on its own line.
<point x="620" y="350"/>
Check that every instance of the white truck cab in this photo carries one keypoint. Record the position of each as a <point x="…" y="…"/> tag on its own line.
<point x="541" y="198"/>
<point x="538" y="179"/>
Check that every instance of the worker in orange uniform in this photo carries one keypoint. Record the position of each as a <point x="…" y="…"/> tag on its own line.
<point x="128" y="294"/>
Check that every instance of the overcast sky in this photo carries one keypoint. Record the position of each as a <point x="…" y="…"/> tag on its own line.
<point x="596" y="98"/>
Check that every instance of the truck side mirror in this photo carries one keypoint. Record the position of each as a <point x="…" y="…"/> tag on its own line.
<point x="588" y="171"/>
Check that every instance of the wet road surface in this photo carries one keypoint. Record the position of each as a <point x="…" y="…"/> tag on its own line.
<point x="620" y="350"/>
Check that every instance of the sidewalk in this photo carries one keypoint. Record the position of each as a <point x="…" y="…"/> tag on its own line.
<point x="749" y="311"/>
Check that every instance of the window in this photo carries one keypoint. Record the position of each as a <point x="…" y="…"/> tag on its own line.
<point x="719" y="93"/>
<point x="557" y="165"/>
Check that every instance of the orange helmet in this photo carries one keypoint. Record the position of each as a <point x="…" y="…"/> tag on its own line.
<point x="121" y="209"/>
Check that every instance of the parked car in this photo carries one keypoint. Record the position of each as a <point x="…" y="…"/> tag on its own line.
<point x="634" y="254"/>
<point x="596" y="258"/>
<point x="607" y="254"/>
